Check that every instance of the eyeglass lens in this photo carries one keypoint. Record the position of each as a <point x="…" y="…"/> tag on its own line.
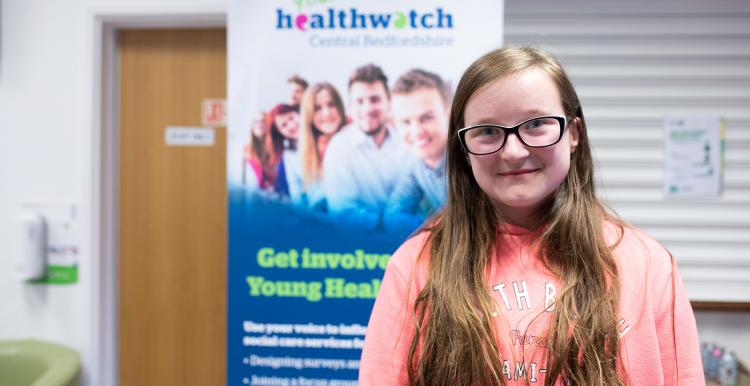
<point x="537" y="132"/>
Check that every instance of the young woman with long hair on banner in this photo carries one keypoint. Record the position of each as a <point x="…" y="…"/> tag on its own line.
<point x="323" y="116"/>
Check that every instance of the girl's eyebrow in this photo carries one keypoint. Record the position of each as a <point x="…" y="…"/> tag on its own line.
<point x="528" y="114"/>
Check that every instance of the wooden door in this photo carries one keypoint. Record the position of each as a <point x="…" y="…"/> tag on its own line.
<point x="172" y="254"/>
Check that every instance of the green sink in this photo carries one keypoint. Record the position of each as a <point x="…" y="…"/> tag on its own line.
<point x="31" y="362"/>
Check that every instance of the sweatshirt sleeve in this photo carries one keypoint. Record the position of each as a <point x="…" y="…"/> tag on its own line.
<point x="678" y="335"/>
<point x="391" y="327"/>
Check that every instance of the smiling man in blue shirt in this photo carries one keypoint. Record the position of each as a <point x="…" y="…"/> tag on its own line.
<point x="421" y="107"/>
<point x="363" y="162"/>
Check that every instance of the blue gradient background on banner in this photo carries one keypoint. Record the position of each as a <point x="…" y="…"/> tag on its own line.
<point x="256" y="222"/>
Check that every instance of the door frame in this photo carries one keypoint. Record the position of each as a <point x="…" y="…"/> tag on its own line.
<point x="106" y="22"/>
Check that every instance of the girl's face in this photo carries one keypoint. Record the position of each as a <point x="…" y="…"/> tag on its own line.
<point x="519" y="179"/>
<point x="288" y="124"/>
<point x="326" y="117"/>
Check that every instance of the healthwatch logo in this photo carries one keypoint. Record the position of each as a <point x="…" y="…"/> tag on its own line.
<point x="354" y="19"/>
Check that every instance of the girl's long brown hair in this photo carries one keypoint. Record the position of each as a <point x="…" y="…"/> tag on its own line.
<point x="455" y="341"/>
<point x="261" y="150"/>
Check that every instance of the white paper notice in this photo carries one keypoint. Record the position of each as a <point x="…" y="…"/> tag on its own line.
<point x="189" y="136"/>
<point x="693" y="157"/>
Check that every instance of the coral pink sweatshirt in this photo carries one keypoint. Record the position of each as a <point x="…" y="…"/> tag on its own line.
<point x="659" y="340"/>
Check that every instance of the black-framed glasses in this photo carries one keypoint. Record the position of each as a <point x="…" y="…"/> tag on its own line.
<point x="535" y="132"/>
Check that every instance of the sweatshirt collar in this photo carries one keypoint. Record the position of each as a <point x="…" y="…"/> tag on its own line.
<point x="517" y="230"/>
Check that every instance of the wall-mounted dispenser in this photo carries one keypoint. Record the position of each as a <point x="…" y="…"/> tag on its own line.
<point x="31" y="255"/>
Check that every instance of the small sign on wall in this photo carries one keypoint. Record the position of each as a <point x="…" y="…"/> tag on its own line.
<point x="694" y="157"/>
<point x="214" y="112"/>
<point x="189" y="136"/>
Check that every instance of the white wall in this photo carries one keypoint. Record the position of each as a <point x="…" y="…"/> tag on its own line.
<point x="47" y="133"/>
<point x="45" y="123"/>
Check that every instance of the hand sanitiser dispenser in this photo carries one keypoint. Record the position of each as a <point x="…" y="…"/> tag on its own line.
<point x="31" y="255"/>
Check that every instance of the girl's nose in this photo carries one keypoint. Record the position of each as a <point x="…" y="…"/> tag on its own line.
<point x="513" y="149"/>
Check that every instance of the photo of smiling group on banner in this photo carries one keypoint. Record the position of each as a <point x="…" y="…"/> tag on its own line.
<point x="370" y="157"/>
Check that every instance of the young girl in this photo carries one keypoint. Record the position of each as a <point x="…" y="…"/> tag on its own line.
<point x="525" y="277"/>
<point x="322" y="117"/>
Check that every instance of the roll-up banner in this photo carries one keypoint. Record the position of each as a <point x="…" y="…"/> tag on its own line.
<point x="338" y="117"/>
